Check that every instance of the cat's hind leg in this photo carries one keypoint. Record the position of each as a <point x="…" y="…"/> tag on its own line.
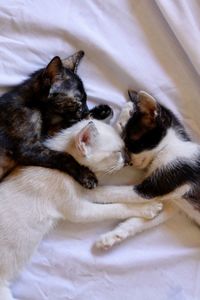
<point x="133" y="226"/>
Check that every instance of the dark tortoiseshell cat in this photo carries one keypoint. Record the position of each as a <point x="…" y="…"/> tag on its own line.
<point x="51" y="99"/>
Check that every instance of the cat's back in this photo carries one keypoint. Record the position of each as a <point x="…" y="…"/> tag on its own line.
<point x="25" y="188"/>
<point x="26" y="214"/>
<point x="174" y="149"/>
<point x="12" y="108"/>
<point x="27" y="206"/>
<point x="11" y="98"/>
<point x="22" y="94"/>
<point x="32" y="186"/>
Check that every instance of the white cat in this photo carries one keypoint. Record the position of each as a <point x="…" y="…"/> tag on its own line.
<point x="34" y="199"/>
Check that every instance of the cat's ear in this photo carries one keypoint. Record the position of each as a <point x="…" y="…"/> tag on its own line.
<point x="73" y="61"/>
<point x="132" y="95"/>
<point x="86" y="139"/>
<point x="147" y="104"/>
<point x="53" y="68"/>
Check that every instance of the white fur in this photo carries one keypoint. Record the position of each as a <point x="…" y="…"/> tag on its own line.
<point x="133" y="226"/>
<point x="125" y="114"/>
<point x="170" y="149"/>
<point x="34" y="199"/>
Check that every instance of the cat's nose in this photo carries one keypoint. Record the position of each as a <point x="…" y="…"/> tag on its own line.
<point x="127" y="158"/>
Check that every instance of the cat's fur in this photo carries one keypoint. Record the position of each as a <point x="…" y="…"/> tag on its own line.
<point x="51" y="99"/>
<point x="34" y="199"/>
<point x="160" y="145"/>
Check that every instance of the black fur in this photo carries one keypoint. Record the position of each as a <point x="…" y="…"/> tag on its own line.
<point x="166" y="178"/>
<point x="153" y="136"/>
<point x="101" y="112"/>
<point x="51" y="99"/>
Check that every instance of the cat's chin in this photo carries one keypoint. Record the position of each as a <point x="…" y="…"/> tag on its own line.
<point x="140" y="161"/>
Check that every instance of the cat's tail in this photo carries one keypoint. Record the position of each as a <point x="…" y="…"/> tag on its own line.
<point x="5" y="293"/>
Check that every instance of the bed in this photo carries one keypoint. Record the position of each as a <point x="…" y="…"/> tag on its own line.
<point x="139" y="44"/>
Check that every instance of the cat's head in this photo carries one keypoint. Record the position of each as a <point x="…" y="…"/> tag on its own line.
<point x="98" y="146"/>
<point x="66" y="96"/>
<point x="147" y="127"/>
<point x="94" y="144"/>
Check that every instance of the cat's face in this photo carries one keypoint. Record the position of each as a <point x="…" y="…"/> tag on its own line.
<point x="146" y="127"/>
<point x="67" y="96"/>
<point x="98" y="146"/>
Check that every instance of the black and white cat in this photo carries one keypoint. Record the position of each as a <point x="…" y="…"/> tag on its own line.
<point x="160" y="145"/>
<point x="34" y="199"/>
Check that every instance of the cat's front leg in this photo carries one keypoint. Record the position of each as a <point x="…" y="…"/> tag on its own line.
<point x="114" y="194"/>
<point x="133" y="226"/>
<point x="39" y="155"/>
<point x="92" y="212"/>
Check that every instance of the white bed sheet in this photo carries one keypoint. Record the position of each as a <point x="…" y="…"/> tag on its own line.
<point x="139" y="44"/>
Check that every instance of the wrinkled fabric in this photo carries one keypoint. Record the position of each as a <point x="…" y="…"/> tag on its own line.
<point x="139" y="44"/>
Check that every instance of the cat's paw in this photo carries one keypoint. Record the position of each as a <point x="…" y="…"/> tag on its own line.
<point x="152" y="210"/>
<point x="105" y="111"/>
<point x="108" y="240"/>
<point x="124" y="116"/>
<point x="102" y="112"/>
<point x="87" y="178"/>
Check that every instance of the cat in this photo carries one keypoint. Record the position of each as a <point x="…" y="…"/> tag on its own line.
<point x="51" y="99"/>
<point x="34" y="199"/>
<point x="160" y="145"/>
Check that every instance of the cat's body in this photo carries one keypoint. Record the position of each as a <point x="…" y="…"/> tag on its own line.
<point x="51" y="99"/>
<point x="34" y="199"/>
<point x="159" y="145"/>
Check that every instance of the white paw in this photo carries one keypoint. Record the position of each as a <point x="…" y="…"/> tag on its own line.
<point x="124" y="116"/>
<point x="152" y="210"/>
<point x="108" y="240"/>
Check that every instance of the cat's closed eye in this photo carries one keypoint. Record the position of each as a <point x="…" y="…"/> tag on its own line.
<point x="53" y="95"/>
<point x="118" y="156"/>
